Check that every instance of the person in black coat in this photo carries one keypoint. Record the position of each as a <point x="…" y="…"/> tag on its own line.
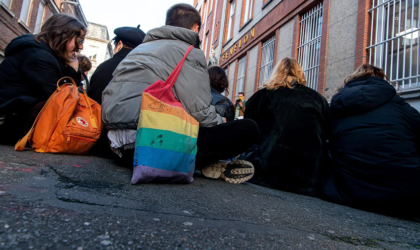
<point x="31" y="69"/>
<point x="374" y="145"/>
<point x="219" y="84"/>
<point x="126" y="39"/>
<point x="293" y="122"/>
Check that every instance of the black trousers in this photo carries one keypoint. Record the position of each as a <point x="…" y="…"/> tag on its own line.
<point x="220" y="142"/>
<point x="225" y="141"/>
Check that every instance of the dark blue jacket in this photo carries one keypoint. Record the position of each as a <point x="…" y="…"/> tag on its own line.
<point x="224" y="107"/>
<point x="374" y="145"/>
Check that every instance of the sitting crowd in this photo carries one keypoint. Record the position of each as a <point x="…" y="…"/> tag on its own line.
<point x="361" y="150"/>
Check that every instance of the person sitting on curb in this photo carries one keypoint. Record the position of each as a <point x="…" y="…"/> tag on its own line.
<point x="293" y="121"/>
<point x="158" y="55"/>
<point x="31" y="69"/>
<point x="85" y="66"/>
<point x="375" y="145"/>
<point x="219" y="84"/>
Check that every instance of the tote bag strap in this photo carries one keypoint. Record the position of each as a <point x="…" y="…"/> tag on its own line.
<point x="175" y="73"/>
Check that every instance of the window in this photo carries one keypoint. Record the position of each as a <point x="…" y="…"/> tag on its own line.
<point x="7" y="3"/>
<point x="231" y="17"/>
<point x="267" y="57"/>
<point x="246" y="11"/>
<point x="394" y="41"/>
<point x="210" y="7"/>
<point x="206" y="45"/>
<point x="240" y="79"/>
<point x="24" y="13"/>
<point x="309" y="50"/>
<point x="39" y="16"/>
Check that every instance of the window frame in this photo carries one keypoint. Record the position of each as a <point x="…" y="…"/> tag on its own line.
<point x="5" y="5"/>
<point x="268" y="43"/>
<point x="230" y="19"/>
<point x="310" y="44"/>
<point x="250" y="13"/>
<point x="39" y="17"/>
<point x="28" y="14"/>
<point x="243" y="60"/>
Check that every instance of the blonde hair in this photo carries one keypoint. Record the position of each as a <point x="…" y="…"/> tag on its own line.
<point x="286" y="72"/>
<point x="366" y="70"/>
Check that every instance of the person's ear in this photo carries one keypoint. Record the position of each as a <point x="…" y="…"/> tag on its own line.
<point x="195" y="28"/>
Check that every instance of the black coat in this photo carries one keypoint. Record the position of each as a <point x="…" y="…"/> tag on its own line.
<point x="293" y="131"/>
<point x="224" y="107"/>
<point x="103" y="75"/>
<point x="29" y="74"/>
<point x="375" y="146"/>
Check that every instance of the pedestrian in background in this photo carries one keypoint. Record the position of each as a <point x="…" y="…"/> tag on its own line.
<point x="85" y="66"/>
<point x="31" y="69"/>
<point x="293" y="123"/>
<point x="375" y="145"/>
<point x="220" y="84"/>
<point x="240" y="106"/>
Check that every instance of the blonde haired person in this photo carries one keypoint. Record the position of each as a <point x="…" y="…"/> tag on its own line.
<point x="292" y="119"/>
<point x="374" y="145"/>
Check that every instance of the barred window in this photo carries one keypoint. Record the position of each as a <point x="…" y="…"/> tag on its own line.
<point x="267" y="57"/>
<point x="309" y="50"/>
<point x="240" y="79"/>
<point x="394" y="41"/>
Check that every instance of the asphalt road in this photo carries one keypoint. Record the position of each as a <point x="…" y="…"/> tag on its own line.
<point x="83" y="202"/>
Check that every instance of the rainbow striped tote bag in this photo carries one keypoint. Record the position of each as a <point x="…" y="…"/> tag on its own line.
<point x="166" y="142"/>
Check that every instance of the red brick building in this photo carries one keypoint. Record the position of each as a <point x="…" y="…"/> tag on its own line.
<point x="18" y="17"/>
<point x="330" y="38"/>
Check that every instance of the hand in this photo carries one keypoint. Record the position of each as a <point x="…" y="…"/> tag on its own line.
<point x="224" y="120"/>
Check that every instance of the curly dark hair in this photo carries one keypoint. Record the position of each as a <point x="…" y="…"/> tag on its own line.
<point x="218" y="79"/>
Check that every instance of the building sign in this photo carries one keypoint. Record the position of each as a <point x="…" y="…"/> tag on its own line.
<point x="238" y="45"/>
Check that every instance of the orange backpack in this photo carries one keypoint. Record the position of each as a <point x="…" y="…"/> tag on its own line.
<point x="70" y="122"/>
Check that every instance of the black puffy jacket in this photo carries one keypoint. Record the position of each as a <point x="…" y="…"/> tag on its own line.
<point x="374" y="145"/>
<point x="29" y="74"/>
<point x="224" y="107"/>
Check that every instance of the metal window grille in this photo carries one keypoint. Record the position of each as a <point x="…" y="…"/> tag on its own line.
<point x="231" y="16"/>
<point x="394" y="41"/>
<point x="240" y="80"/>
<point x="267" y="57"/>
<point x="309" y="50"/>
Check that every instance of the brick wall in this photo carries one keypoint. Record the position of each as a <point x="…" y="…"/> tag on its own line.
<point x="9" y="20"/>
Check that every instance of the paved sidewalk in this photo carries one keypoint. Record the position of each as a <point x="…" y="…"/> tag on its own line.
<point x="83" y="202"/>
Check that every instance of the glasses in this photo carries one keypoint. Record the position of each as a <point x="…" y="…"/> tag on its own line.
<point x="80" y="41"/>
